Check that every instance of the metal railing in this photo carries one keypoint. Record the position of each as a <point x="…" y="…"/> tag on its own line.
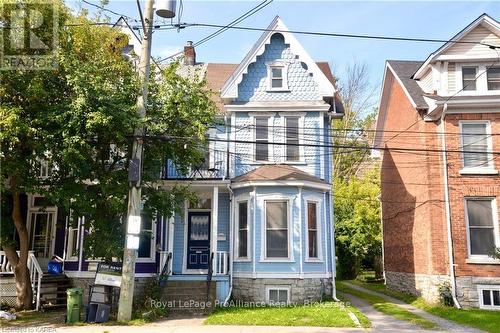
<point x="221" y="263"/>
<point x="34" y="268"/>
<point x="165" y="267"/>
<point x="216" y="169"/>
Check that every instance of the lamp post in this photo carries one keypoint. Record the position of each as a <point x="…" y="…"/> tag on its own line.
<point x="166" y="9"/>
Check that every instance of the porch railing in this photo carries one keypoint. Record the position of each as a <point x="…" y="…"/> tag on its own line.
<point x="34" y="268"/>
<point x="215" y="169"/>
<point x="221" y="263"/>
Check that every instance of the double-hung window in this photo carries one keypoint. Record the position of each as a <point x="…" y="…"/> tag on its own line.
<point x="276" y="77"/>
<point x="242" y="240"/>
<point x="312" y="230"/>
<point x="469" y="78"/>
<point x="292" y="139"/>
<point x="276" y="228"/>
<point x="493" y="78"/>
<point x="476" y="145"/>
<point x="261" y="139"/>
<point x="482" y="233"/>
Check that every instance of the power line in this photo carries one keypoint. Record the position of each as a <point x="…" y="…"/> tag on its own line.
<point x="343" y="35"/>
<point x="223" y="28"/>
<point x="109" y="10"/>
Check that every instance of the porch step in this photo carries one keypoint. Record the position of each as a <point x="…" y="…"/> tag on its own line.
<point x="189" y="296"/>
<point x="53" y="290"/>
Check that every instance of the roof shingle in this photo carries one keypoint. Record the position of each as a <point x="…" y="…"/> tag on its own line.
<point x="277" y="172"/>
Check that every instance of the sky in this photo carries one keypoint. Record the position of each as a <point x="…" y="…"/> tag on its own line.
<point x="420" y="19"/>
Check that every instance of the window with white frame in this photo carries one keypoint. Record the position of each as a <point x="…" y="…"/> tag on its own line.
<point x="493" y="78"/>
<point x="73" y="244"/>
<point x="482" y="233"/>
<point x="261" y="139"/>
<point x="278" y="295"/>
<point x="146" y="238"/>
<point x="292" y="139"/>
<point x="277" y="76"/>
<point x="242" y="242"/>
<point x="476" y="144"/>
<point x="312" y="230"/>
<point x="489" y="297"/>
<point x="276" y="229"/>
<point x="469" y="78"/>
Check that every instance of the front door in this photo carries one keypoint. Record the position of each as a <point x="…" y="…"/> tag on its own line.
<point x="42" y="234"/>
<point x="198" y="243"/>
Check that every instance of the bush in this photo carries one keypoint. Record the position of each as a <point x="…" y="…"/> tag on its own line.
<point x="445" y="294"/>
<point x="143" y="305"/>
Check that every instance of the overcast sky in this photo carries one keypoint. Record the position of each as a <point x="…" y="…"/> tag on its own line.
<point x="426" y="19"/>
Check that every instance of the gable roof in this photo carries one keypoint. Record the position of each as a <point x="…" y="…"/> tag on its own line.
<point x="403" y="71"/>
<point x="230" y="88"/>
<point x="278" y="173"/>
<point x="484" y="20"/>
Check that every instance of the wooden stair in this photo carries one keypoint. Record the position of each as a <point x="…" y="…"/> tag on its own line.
<point x="189" y="297"/>
<point x="53" y="290"/>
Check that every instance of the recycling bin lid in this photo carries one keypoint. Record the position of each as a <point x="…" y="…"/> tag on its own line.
<point x="74" y="291"/>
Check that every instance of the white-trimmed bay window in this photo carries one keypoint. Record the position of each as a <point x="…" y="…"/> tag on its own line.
<point x="476" y="145"/>
<point x="469" y="75"/>
<point x="276" y="234"/>
<point x="243" y="231"/>
<point x="313" y="237"/>
<point x="493" y="78"/>
<point x="482" y="226"/>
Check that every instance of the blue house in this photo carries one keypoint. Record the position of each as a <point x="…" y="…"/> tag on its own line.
<point x="263" y="228"/>
<point x="265" y="221"/>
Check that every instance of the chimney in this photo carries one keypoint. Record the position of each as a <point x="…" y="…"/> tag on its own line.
<point x="189" y="54"/>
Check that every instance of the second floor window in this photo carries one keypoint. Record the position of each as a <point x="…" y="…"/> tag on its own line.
<point x="261" y="139"/>
<point x="482" y="239"/>
<point x="469" y="78"/>
<point x="292" y="139"/>
<point x="493" y="78"/>
<point x="475" y="145"/>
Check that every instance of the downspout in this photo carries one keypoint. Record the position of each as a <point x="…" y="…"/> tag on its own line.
<point x="332" y="243"/>
<point x="231" y="241"/>
<point x="448" y="209"/>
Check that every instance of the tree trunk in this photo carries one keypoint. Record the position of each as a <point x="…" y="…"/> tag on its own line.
<point x="378" y="266"/>
<point x="20" y="262"/>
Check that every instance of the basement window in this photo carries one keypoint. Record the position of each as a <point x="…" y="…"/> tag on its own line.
<point x="278" y="295"/>
<point x="489" y="297"/>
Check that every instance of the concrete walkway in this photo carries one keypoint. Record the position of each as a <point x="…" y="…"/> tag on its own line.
<point x="443" y="324"/>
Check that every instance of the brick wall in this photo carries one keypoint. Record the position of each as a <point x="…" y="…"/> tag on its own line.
<point x="415" y="230"/>
<point x="412" y="194"/>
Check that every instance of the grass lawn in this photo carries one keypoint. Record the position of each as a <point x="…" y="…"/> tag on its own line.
<point x="325" y="314"/>
<point x="482" y="319"/>
<point x="35" y="318"/>
<point x="388" y="308"/>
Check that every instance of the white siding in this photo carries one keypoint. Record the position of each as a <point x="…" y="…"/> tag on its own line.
<point x="452" y="75"/>
<point x="479" y="34"/>
<point x="426" y="82"/>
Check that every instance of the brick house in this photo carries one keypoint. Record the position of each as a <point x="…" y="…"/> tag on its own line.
<point x="440" y="204"/>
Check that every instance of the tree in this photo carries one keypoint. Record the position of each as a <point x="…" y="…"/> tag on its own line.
<point x="356" y="185"/>
<point x="357" y="221"/>
<point x="79" y="118"/>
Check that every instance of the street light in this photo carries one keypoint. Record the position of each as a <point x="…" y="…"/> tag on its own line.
<point x="166" y="9"/>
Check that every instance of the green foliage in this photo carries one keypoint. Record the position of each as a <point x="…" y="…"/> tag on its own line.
<point x="81" y="117"/>
<point x="357" y="221"/>
<point x="144" y="304"/>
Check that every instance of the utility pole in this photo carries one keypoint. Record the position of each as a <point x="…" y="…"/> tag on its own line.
<point x="134" y="194"/>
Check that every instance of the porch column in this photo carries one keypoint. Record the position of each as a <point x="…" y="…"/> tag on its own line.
<point x="213" y="243"/>
<point x="170" y="243"/>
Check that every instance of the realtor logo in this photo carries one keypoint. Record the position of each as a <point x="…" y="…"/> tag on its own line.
<point x="29" y="34"/>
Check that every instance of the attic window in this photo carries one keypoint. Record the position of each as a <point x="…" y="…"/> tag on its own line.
<point x="277" y="76"/>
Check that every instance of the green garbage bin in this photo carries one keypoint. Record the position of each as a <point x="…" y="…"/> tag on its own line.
<point x="73" y="305"/>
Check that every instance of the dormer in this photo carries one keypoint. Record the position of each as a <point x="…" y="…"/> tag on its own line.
<point x="467" y="65"/>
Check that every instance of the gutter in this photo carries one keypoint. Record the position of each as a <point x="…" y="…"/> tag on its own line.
<point x="448" y="210"/>
<point x="231" y="221"/>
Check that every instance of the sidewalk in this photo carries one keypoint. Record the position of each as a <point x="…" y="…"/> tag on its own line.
<point x="444" y="325"/>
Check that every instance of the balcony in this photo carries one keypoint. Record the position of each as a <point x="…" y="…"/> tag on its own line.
<point x="215" y="169"/>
